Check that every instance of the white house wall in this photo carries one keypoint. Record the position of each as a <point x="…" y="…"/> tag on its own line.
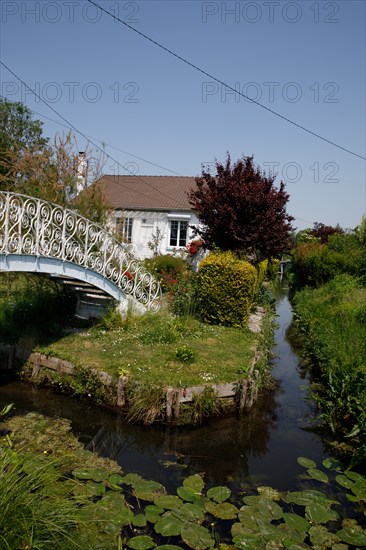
<point x="146" y="224"/>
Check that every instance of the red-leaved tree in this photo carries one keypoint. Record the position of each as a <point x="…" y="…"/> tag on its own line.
<point x="323" y="232"/>
<point x="242" y="210"/>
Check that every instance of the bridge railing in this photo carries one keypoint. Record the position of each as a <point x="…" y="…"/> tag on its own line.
<point x="35" y="227"/>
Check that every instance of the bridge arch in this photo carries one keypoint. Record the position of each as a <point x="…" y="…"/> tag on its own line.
<point x="37" y="236"/>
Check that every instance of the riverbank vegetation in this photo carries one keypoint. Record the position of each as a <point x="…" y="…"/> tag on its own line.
<point x="54" y="492"/>
<point x="156" y="351"/>
<point x="330" y="312"/>
<point x="332" y="321"/>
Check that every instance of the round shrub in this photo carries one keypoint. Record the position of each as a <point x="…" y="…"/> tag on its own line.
<point x="225" y="289"/>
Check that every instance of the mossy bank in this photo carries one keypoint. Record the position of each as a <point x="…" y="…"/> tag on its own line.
<point x="157" y="368"/>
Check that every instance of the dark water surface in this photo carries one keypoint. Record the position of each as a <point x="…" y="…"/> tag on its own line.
<point x="261" y="447"/>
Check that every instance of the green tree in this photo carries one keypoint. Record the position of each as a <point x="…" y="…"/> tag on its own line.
<point x="31" y="165"/>
<point x="362" y="230"/>
<point x="18" y="133"/>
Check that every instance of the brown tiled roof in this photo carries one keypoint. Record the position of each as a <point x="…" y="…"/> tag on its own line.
<point x="148" y="192"/>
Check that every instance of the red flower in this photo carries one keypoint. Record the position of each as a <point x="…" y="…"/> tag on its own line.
<point x="193" y="247"/>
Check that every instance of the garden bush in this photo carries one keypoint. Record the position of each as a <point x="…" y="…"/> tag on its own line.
<point x="316" y="263"/>
<point x="182" y="296"/>
<point x="261" y="273"/>
<point x="167" y="269"/>
<point x="273" y="268"/>
<point x="225" y="289"/>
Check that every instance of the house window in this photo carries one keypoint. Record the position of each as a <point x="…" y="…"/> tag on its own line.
<point x="124" y="229"/>
<point x="178" y="233"/>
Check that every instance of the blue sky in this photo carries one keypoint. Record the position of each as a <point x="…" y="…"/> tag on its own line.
<point x="303" y="59"/>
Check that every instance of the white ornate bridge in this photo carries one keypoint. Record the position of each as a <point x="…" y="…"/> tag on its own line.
<point x="40" y="237"/>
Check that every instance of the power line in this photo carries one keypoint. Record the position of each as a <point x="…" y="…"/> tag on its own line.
<point x="89" y="140"/>
<point x="193" y="66"/>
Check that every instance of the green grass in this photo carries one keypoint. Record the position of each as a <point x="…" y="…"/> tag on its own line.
<point x="146" y="349"/>
<point x="333" y="321"/>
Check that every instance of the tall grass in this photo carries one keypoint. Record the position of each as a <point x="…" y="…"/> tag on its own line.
<point x="36" y="509"/>
<point x="333" y="321"/>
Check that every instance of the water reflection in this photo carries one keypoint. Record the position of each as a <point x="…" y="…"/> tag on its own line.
<point x="262" y="446"/>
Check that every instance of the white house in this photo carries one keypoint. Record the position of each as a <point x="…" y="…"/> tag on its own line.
<point x="151" y="209"/>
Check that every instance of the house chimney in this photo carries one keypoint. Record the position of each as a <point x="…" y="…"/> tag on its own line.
<point x="82" y="172"/>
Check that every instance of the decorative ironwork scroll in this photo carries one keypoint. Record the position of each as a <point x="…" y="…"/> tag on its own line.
<point x="35" y="227"/>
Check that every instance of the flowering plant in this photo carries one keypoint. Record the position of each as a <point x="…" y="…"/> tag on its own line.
<point x="194" y="246"/>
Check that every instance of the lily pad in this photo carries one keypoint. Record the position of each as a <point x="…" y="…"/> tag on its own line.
<point x="268" y="492"/>
<point x="319" y="535"/>
<point x="197" y="511"/>
<point x="344" y="481"/>
<point x="223" y="510"/>
<point x="270" y="532"/>
<point x="168" y="502"/>
<point x="115" y="480"/>
<point x="248" y="542"/>
<point x="187" y="493"/>
<point x="290" y="545"/>
<point x="147" y="490"/>
<point x="320" y="514"/>
<point x="197" y="537"/>
<point x="359" y="490"/>
<point x="96" y="475"/>
<point x="112" y="500"/>
<point x="131" y="479"/>
<point x="248" y="517"/>
<point x="290" y="536"/>
<point x="269" y="509"/>
<point x="184" y="514"/>
<point x="169" y="525"/>
<point x="194" y="482"/>
<point x="152" y="518"/>
<point x="89" y="489"/>
<point x="314" y="473"/>
<point x="352" y="534"/>
<point x="219" y="493"/>
<point x="119" y="516"/>
<point x="296" y="522"/>
<point x="307" y="497"/>
<point x="332" y="464"/>
<point x="356" y="477"/>
<point x="252" y="500"/>
<point x="139" y="520"/>
<point x="240" y="529"/>
<point x="306" y="462"/>
<point x="153" y="509"/>
<point x="142" y="542"/>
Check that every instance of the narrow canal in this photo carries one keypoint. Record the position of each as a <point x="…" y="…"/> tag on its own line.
<point x="261" y="447"/>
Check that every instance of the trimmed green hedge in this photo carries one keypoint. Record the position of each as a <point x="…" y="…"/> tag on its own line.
<point x="225" y="289"/>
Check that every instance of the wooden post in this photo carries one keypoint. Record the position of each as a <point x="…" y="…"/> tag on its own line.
<point x="169" y="403"/>
<point x="121" y="393"/>
<point x="176" y="403"/>
<point x="242" y="395"/>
